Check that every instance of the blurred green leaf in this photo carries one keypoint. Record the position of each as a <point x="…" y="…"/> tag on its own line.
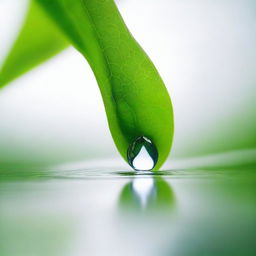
<point x="38" y="40"/>
<point x="135" y="98"/>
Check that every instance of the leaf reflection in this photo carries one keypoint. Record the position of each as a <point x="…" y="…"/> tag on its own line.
<point x="147" y="194"/>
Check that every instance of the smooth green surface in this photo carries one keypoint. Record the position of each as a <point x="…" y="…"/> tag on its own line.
<point x="135" y="98"/>
<point x="38" y="40"/>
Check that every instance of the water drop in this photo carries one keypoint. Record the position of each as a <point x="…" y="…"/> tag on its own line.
<point x="142" y="154"/>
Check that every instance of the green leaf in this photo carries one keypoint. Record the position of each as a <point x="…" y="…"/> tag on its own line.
<point x="135" y="98"/>
<point x="38" y="40"/>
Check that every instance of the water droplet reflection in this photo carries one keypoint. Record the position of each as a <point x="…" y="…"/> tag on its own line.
<point x="147" y="194"/>
<point x="143" y="187"/>
<point x="142" y="154"/>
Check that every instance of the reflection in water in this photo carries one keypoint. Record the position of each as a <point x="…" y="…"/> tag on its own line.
<point x="73" y="213"/>
<point x="143" y="188"/>
<point x="146" y="194"/>
<point x="145" y="215"/>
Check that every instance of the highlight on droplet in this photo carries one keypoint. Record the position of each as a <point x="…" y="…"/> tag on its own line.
<point x="142" y="154"/>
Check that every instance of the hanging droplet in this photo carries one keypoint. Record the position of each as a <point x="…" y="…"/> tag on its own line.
<point x="142" y="154"/>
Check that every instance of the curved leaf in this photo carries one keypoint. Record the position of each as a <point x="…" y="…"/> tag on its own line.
<point x="38" y="40"/>
<point x="135" y="98"/>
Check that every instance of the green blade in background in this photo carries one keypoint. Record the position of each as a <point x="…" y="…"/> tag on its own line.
<point x="135" y="97"/>
<point x="38" y="40"/>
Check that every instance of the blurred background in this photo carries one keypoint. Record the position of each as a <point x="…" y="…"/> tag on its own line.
<point x="203" y="49"/>
<point x="88" y="202"/>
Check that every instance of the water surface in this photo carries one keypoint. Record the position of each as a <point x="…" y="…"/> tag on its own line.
<point x="58" y="211"/>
